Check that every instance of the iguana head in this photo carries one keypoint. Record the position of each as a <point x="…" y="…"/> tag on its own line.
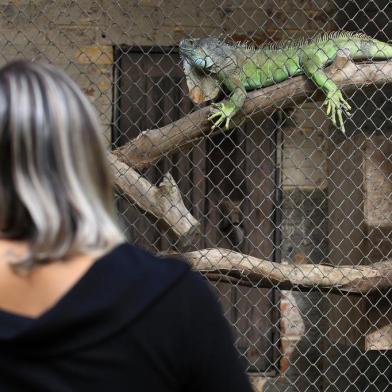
<point x="202" y="58"/>
<point x="209" y="54"/>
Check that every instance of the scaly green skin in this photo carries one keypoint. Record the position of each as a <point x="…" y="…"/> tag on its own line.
<point x="240" y="68"/>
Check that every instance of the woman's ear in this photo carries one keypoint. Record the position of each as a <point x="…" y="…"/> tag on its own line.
<point x="202" y="87"/>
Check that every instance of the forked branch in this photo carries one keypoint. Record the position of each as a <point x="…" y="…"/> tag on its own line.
<point x="163" y="201"/>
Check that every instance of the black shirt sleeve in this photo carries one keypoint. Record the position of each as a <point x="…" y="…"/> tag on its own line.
<point x="214" y="363"/>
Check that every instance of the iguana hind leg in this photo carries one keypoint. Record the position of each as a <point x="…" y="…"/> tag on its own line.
<point x="312" y="66"/>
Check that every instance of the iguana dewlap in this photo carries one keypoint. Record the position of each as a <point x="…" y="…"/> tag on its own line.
<point x="210" y="63"/>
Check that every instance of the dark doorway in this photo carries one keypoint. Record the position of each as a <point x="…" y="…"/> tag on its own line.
<point x="228" y="182"/>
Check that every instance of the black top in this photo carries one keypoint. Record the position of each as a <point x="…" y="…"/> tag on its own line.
<point x="133" y="322"/>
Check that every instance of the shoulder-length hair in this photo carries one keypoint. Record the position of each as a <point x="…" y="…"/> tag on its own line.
<point x="55" y="185"/>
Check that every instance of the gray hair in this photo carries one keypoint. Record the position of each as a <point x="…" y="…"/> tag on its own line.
<point x="55" y="184"/>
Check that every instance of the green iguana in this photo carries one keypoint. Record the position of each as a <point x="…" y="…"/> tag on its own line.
<point x="210" y="63"/>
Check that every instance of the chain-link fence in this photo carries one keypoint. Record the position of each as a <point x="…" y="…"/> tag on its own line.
<point x="289" y="218"/>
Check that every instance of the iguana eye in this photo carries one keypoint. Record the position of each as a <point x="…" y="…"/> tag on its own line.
<point x="200" y="62"/>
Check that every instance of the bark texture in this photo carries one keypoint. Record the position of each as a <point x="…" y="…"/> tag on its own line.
<point x="225" y="264"/>
<point x="153" y="143"/>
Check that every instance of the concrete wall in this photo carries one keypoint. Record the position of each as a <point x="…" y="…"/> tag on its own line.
<point x="79" y="35"/>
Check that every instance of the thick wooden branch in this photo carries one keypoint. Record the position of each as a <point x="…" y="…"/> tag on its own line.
<point x="263" y="273"/>
<point x="153" y="143"/>
<point x="163" y="201"/>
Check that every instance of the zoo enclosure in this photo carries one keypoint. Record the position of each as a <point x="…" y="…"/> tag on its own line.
<point x="284" y="186"/>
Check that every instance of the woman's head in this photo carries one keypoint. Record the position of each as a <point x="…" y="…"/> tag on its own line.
<point x="55" y="186"/>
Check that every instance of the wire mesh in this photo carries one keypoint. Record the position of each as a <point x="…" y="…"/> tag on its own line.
<point x="284" y="185"/>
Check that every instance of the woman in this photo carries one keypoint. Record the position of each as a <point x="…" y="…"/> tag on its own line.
<point x="80" y="309"/>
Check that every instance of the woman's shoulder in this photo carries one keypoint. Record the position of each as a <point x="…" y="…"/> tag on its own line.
<point x="146" y="276"/>
<point x="156" y="276"/>
<point x="140" y="261"/>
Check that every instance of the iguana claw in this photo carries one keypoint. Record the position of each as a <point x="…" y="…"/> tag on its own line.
<point x="223" y="112"/>
<point x="336" y="104"/>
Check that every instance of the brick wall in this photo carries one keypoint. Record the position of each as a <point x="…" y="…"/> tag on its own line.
<point x="78" y="35"/>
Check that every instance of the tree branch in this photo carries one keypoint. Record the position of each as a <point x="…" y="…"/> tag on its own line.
<point x="163" y="201"/>
<point x="263" y="273"/>
<point x="153" y="143"/>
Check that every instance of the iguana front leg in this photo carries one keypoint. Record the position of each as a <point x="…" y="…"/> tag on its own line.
<point x="312" y="66"/>
<point x="225" y="110"/>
